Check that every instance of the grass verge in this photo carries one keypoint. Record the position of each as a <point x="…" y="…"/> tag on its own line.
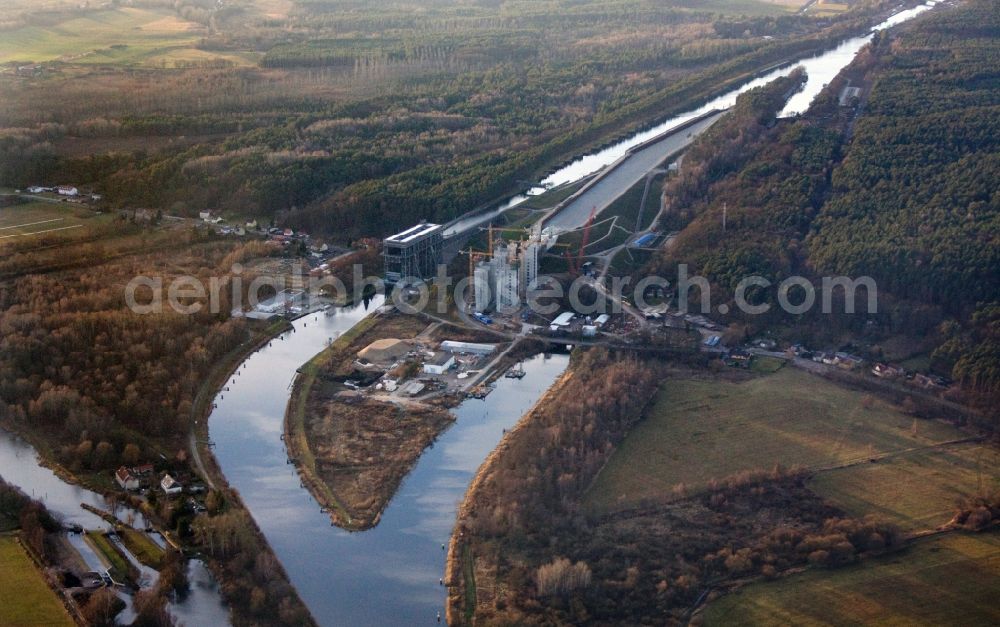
<point x="120" y="568"/>
<point x="140" y="545"/>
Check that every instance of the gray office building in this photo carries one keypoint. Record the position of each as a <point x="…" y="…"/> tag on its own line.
<point x="416" y="252"/>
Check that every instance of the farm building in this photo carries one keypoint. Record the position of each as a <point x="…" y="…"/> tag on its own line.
<point x="388" y="349"/>
<point x="126" y="479"/>
<point x="738" y="357"/>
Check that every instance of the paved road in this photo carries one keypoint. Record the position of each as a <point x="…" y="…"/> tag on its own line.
<point x="628" y="173"/>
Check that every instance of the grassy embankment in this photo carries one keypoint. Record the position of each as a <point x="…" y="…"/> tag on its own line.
<point x="137" y="542"/>
<point x="142" y="546"/>
<point x="26" y="598"/>
<point x="945" y="580"/>
<point x="120" y="568"/>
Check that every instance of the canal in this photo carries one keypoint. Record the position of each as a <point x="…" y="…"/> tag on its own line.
<point x="19" y="466"/>
<point x="389" y="574"/>
<point x="820" y="69"/>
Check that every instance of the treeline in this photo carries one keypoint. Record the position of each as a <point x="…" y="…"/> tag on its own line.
<point x="21" y="512"/>
<point x="550" y="459"/>
<point x="252" y="580"/>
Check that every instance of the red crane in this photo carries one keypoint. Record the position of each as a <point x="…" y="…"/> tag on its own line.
<point x="575" y="262"/>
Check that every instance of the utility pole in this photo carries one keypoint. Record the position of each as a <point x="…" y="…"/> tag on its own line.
<point x="725" y="209"/>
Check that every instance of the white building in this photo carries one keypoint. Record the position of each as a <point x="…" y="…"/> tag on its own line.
<point x="439" y="363"/>
<point x="482" y="281"/>
<point x="170" y="486"/>
<point x="563" y="319"/>
<point x="470" y="348"/>
<point x="67" y="190"/>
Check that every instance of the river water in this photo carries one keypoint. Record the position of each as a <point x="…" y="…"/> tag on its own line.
<point x="389" y="574"/>
<point x="820" y="68"/>
<point x="19" y="466"/>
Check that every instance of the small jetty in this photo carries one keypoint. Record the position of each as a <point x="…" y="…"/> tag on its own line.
<point x="515" y="372"/>
<point x="480" y="391"/>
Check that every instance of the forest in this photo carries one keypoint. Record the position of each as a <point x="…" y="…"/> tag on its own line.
<point x="96" y="386"/>
<point x="529" y="553"/>
<point x="900" y="187"/>
<point x="348" y="121"/>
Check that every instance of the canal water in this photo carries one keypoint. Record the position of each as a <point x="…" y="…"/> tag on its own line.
<point x="389" y="574"/>
<point x="820" y="68"/>
<point x="19" y="466"/>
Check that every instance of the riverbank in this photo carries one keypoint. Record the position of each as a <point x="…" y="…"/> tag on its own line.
<point x="353" y="452"/>
<point x="199" y="439"/>
<point x="459" y="573"/>
<point x="208" y="466"/>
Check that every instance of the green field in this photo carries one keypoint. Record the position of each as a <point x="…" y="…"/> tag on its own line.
<point x="916" y="490"/>
<point x="144" y="549"/>
<point x="119" y="566"/>
<point x="762" y="364"/>
<point x="947" y="580"/>
<point x="25" y="598"/>
<point x="698" y="430"/>
<point x="124" y="35"/>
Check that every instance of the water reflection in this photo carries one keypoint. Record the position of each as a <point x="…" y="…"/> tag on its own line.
<point x="820" y="68"/>
<point x="386" y="575"/>
<point x="19" y="466"/>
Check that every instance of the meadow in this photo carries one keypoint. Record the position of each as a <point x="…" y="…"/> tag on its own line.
<point x="27" y="599"/>
<point x="19" y="223"/>
<point x="699" y="430"/>
<point x="125" y="35"/>
<point x="946" y="580"/>
<point x="916" y="490"/>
